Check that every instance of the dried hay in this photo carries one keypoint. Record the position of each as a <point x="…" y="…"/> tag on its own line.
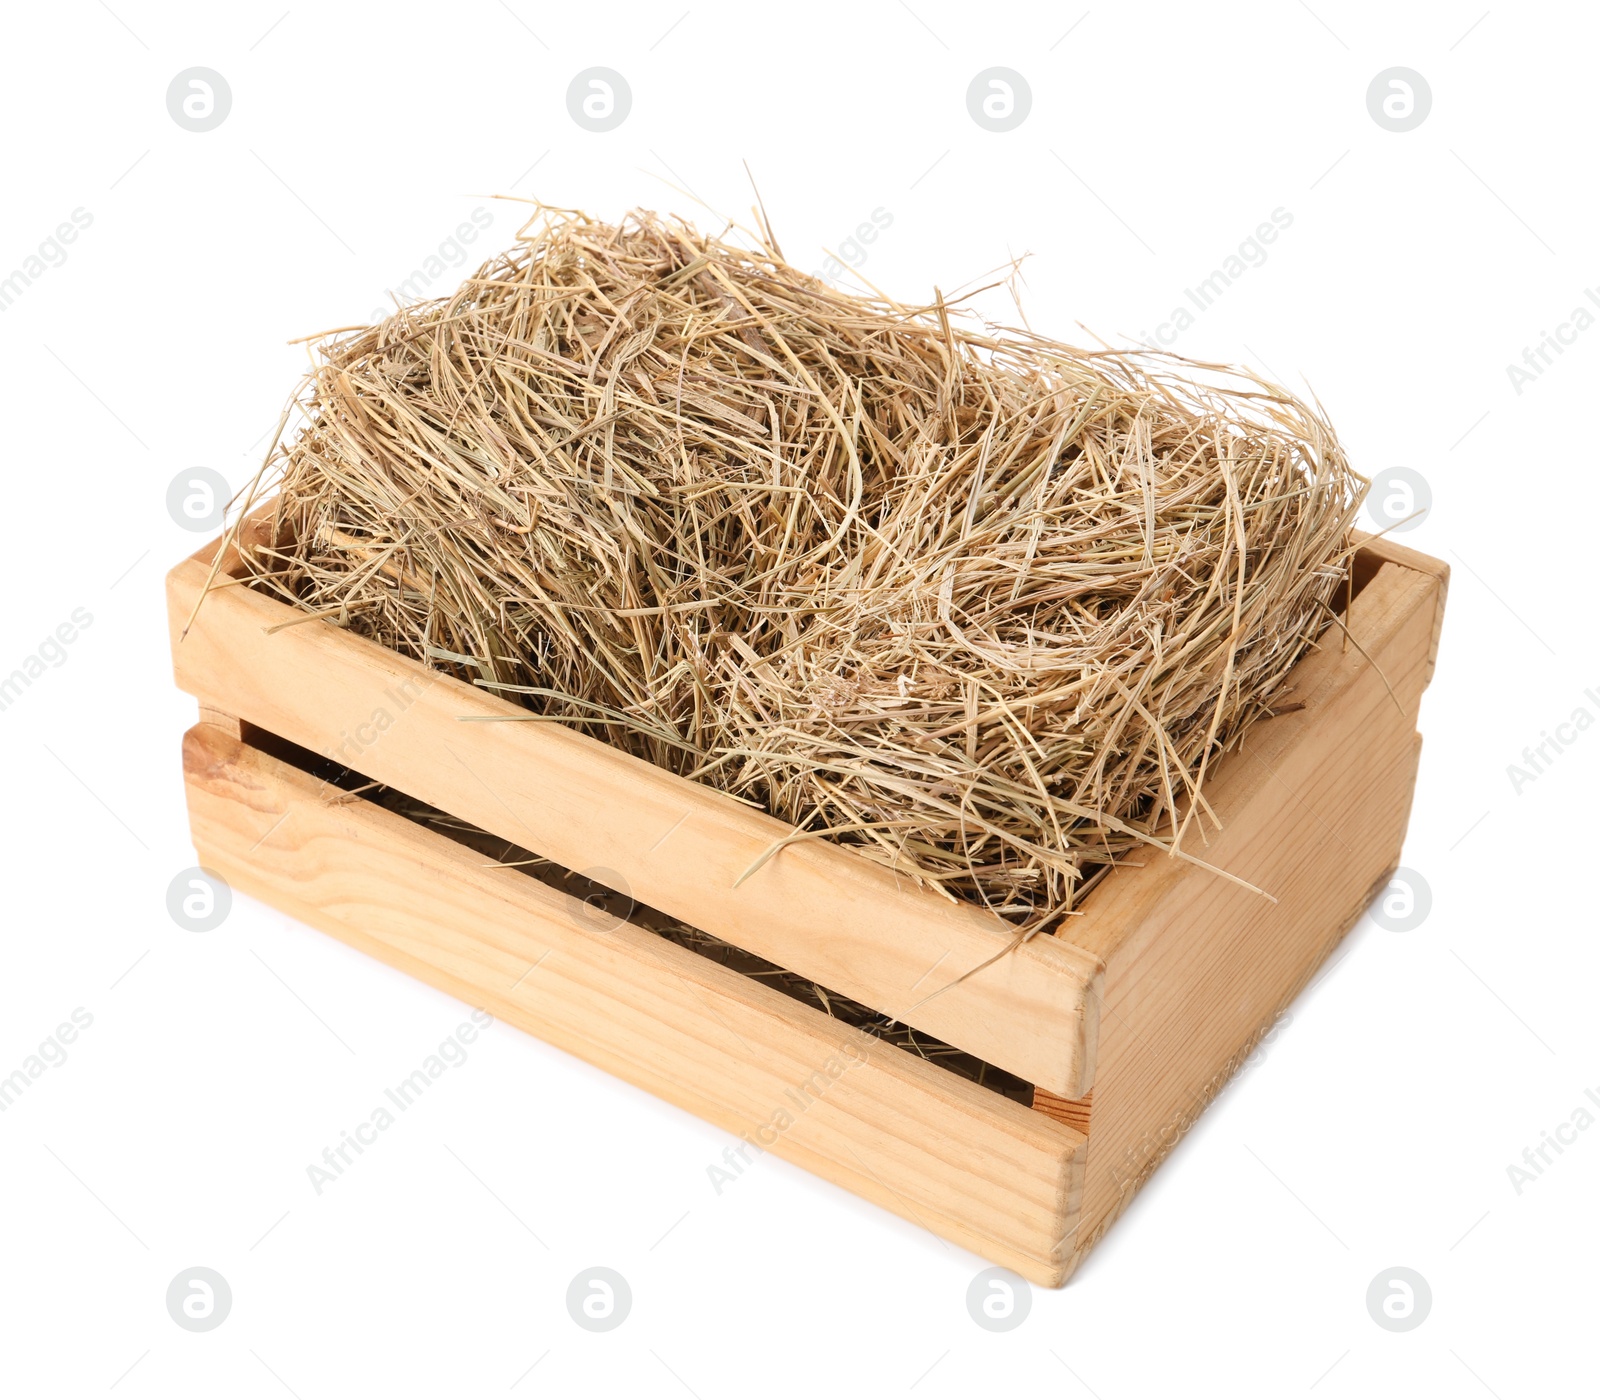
<point x="981" y="605"/>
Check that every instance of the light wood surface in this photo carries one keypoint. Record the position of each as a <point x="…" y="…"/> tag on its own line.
<point x="221" y="719"/>
<point x="1385" y="549"/>
<point x="959" y="1160"/>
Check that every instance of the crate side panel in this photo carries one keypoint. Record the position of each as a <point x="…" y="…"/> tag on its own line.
<point x="1315" y="811"/>
<point x="968" y="1164"/>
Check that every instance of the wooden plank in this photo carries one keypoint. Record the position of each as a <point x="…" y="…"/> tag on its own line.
<point x="816" y="908"/>
<point x="962" y="1161"/>
<point x="229" y="724"/>
<point x="1315" y="804"/>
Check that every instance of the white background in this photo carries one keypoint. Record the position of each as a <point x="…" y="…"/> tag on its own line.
<point x="1379" y="1128"/>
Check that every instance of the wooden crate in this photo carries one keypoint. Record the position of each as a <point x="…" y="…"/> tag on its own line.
<point x="1127" y="1026"/>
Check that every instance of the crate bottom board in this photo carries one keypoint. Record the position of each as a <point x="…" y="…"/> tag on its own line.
<point x="962" y="1161"/>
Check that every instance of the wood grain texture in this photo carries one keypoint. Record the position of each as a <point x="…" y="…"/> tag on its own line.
<point x="1075" y="1113"/>
<point x="962" y="1161"/>
<point x="1377" y="550"/>
<point x="1315" y="804"/>
<point x="815" y="908"/>
<point x="1128" y="1031"/>
<point x="221" y="719"/>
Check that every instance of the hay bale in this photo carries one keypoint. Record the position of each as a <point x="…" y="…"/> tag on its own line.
<point x="977" y="603"/>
